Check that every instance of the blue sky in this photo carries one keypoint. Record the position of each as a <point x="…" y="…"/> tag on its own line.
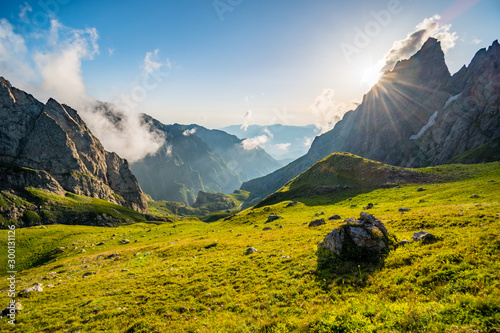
<point x="224" y="62"/>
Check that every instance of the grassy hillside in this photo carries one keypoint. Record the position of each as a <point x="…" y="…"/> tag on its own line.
<point x="190" y="276"/>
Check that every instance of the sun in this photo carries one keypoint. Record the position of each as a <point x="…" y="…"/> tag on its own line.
<point x="370" y="75"/>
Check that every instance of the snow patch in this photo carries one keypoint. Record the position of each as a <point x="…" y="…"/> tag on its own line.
<point x="451" y="99"/>
<point x="432" y="121"/>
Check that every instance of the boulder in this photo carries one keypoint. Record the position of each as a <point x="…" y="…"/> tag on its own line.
<point x="251" y="250"/>
<point x="267" y="228"/>
<point x="357" y="238"/>
<point x="404" y="209"/>
<point x="334" y="217"/>
<point x="273" y="217"/>
<point x="423" y="236"/>
<point x="317" y="223"/>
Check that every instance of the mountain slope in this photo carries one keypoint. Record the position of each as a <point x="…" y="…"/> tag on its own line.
<point x="49" y="146"/>
<point x="416" y="115"/>
<point x="195" y="159"/>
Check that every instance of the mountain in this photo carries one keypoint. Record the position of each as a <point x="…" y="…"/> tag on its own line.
<point x="195" y="159"/>
<point x="48" y="146"/>
<point x="342" y="173"/>
<point x="285" y="143"/>
<point x="416" y="115"/>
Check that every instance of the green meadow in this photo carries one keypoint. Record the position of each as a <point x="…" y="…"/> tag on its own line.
<point x="193" y="276"/>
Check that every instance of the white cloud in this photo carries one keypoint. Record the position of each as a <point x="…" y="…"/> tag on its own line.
<point x="248" y="98"/>
<point x="246" y="118"/>
<point x="23" y="10"/>
<point x="189" y="132"/>
<point x="152" y="63"/>
<point x="111" y="51"/>
<point x="283" y="146"/>
<point x="268" y="133"/>
<point x="14" y="63"/>
<point x="405" y="48"/>
<point x="476" y="40"/>
<point x="326" y="111"/>
<point x="308" y="141"/>
<point x="55" y="70"/>
<point x="253" y="143"/>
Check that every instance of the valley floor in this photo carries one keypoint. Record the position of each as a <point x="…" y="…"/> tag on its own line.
<point x="190" y="276"/>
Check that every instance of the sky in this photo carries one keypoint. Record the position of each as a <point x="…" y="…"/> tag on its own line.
<point x="224" y="62"/>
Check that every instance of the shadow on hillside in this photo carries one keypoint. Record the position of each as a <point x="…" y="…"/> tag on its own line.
<point x="345" y="275"/>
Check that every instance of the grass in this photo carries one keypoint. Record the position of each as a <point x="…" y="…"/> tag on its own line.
<point x="191" y="276"/>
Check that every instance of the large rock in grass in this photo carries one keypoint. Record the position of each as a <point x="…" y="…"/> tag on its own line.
<point x="356" y="239"/>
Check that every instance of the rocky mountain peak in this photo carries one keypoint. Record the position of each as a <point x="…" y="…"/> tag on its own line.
<point x="426" y="66"/>
<point x="54" y="139"/>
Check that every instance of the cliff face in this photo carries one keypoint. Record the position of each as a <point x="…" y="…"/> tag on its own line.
<point x="53" y="140"/>
<point x="416" y="115"/>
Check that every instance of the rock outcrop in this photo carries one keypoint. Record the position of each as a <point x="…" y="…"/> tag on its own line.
<point x="48" y="146"/>
<point x="356" y="239"/>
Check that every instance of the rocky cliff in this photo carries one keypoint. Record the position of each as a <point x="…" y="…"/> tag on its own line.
<point x="416" y="115"/>
<point x="48" y="146"/>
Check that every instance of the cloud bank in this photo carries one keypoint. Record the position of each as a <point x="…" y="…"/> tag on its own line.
<point x="405" y="48"/>
<point x="55" y="70"/>
<point x="254" y="143"/>
<point x="326" y="111"/>
<point x="246" y="119"/>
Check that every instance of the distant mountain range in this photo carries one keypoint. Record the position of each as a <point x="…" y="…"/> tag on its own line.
<point x="416" y="115"/>
<point x="283" y="142"/>
<point x="194" y="158"/>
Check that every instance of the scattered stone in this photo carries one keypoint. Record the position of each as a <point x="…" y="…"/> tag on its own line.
<point x="267" y="228"/>
<point x="423" y="236"/>
<point x="37" y="287"/>
<point x="349" y="199"/>
<point x="125" y="270"/>
<point x="369" y="206"/>
<point x="125" y="241"/>
<point x="273" y="217"/>
<point x="182" y="310"/>
<point x="421" y="200"/>
<point x="404" y="209"/>
<point x="11" y="309"/>
<point x="354" y="206"/>
<point x="114" y="235"/>
<point x="113" y="255"/>
<point x="317" y="223"/>
<point x="256" y="226"/>
<point x="474" y="196"/>
<point x="61" y="249"/>
<point x="209" y="246"/>
<point x="238" y="235"/>
<point x="101" y="243"/>
<point x="282" y="227"/>
<point x="404" y="242"/>
<point x="368" y="234"/>
<point x="251" y="250"/>
<point x="83" y="250"/>
<point x="50" y="286"/>
<point x="286" y="257"/>
<point x="491" y="181"/>
<point x="87" y="274"/>
<point x="292" y="203"/>
<point x="334" y="217"/>
<point x="420" y="189"/>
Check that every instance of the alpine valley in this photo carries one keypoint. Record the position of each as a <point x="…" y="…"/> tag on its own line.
<point x="388" y="223"/>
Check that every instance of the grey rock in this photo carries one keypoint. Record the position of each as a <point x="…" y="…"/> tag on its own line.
<point x="420" y="189"/>
<point x="404" y="209"/>
<point x="317" y="223"/>
<point x="251" y="250"/>
<point x="125" y="241"/>
<point x="334" y="217"/>
<point x="267" y="228"/>
<point x="273" y="217"/>
<point x="368" y="234"/>
<point x="474" y="196"/>
<point x="404" y="242"/>
<point x="423" y="236"/>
